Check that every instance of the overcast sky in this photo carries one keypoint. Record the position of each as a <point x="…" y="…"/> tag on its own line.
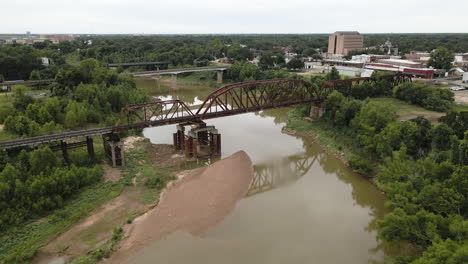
<point x="232" y="16"/>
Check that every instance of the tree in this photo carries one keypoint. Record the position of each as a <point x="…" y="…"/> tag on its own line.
<point x="35" y="75"/>
<point x="372" y="118"/>
<point x="295" y="64"/>
<point x="267" y="60"/>
<point x="309" y="52"/>
<point x="441" y="135"/>
<point x="447" y="252"/>
<point x="441" y="58"/>
<point x="333" y="75"/>
<point x="20" y="99"/>
<point x="43" y="160"/>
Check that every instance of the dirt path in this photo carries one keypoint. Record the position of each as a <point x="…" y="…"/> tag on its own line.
<point x="96" y="228"/>
<point x="199" y="200"/>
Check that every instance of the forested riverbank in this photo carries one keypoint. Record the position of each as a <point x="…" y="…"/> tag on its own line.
<point x="421" y="166"/>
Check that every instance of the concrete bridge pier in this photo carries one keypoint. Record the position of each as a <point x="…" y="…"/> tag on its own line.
<point x="174" y="77"/>
<point x="90" y="147"/>
<point x="114" y="149"/>
<point x="200" y="141"/>
<point x="64" y="148"/>
<point x="219" y="77"/>
<point x="179" y="138"/>
<point x="317" y="109"/>
<point x="174" y="81"/>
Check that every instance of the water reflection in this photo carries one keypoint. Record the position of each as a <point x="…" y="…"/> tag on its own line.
<point x="274" y="174"/>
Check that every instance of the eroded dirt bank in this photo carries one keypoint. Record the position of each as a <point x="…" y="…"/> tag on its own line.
<point x="200" y="199"/>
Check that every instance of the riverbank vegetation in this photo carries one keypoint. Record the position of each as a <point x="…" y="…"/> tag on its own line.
<point x="421" y="166"/>
<point x="140" y="185"/>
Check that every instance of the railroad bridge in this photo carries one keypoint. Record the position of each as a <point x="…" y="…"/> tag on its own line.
<point x="233" y="99"/>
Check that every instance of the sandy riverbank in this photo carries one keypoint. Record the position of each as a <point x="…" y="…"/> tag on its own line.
<point x="200" y="199"/>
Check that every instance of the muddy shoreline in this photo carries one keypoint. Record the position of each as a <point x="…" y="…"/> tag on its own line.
<point x="198" y="200"/>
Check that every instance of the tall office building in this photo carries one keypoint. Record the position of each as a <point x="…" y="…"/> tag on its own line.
<point x="342" y="42"/>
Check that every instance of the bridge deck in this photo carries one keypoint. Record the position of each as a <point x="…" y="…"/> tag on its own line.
<point x="128" y="64"/>
<point x="21" y="82"/>
<point x="177" y="71"/>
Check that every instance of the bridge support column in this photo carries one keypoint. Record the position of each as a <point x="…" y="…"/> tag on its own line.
<point x="317" y="109"/>
<point x="63" y="146"/>
<point x="200" y="141"/>
<point x="215" y="144"/>
<point x="174" y="81"/>
<point x="219" y="76"/>
<point x="179" y="138"/>
<point x="114" y="149"/>
<point x="90" y="146"/>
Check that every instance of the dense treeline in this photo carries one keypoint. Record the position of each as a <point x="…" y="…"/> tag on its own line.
<point x="423" y="170"/>
<point x="420" y="42"/>
<point x="429" y="97"/>
<point x="21" y="62"/>
<point x="18" y="62"/>
<point x="32" y="183"/>
<point x="433" y="98"/>
<point x="244" y="71"/>
<point x="88" y="93"/>
<point x="187" y="49"/>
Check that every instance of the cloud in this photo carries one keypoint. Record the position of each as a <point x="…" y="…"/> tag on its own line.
<point x="240" y="16"/>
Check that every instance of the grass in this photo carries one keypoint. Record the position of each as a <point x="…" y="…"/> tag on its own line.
<point x="37" y="233"/>
<point x="408" y="111"/>
<point x="460" y="108"/>
<point x="73" y="58"/>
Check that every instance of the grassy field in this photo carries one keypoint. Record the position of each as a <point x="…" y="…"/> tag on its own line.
<point x="408" y="111"/>
<point x="460" y="108"/>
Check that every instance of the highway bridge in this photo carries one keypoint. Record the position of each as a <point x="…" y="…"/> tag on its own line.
<point x="148" y="64"/>
<point x="175" y="72"/>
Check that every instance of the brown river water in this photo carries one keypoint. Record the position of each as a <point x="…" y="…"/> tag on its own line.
<point x="311" y="209"/>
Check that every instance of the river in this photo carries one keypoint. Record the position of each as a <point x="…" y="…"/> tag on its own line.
<point x="310" y="209"/>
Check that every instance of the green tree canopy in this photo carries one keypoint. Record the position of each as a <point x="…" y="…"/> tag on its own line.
<point x="441" y="58"/>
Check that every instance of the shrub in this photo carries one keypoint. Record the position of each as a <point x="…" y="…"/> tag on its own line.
<point x="361" y="165"/>
<point x="154" y="182"/>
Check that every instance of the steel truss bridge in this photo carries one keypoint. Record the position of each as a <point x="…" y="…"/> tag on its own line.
<point x="233" y="99"/>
